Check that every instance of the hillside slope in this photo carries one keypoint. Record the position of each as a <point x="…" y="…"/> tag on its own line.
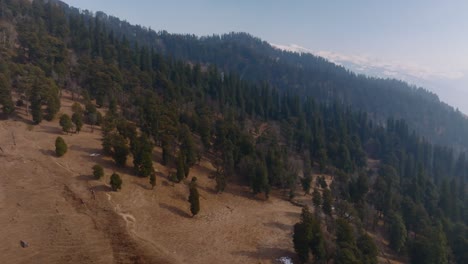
<point x="307" y="75"/>
<point x="165" y="118"/>
<point x="48" y="202"/>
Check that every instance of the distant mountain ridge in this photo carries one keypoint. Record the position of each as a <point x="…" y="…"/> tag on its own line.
<point x="303" y="74"/>
<point x="447" y="84"/>
<point x="307" y="75"/>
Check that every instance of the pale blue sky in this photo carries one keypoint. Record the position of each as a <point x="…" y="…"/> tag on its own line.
<point x="426" y="37"/>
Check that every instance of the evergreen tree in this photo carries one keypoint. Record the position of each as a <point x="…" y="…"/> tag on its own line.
<point x="307" y="175"/>
<point x="66" y="123"/>
<point x="98" y="171"/>
<point x="301" y="241"/>
<point x="116" y="145"/>
<point x="327" y="201"/>
<point x="397" y="232"/>
<point x="180" y="168"/>
<point x="142" y="150"/>
<point x="6" y="101"/>
<point x="347" y="251"/>
<point x="316" y="198"/>
<point x="358" y="188"/>
<point x="306" y="183"/>
<point x="146" y="168"/>
<point x="220" y="181"/>
<point x="77" y="108"/>
<point x="115" y="182"/>
<point x="60" y="147"/>
<point x="321" y="182"/>
<point x="187" y="146"/>
<point x="36" y="106"/>
<point x="77" y="119"/>
<point x="152" y="179"/>
<point x="194" y="198"/>
<point x="369" y="250"/>
<point x="259" y="178"/>
<point x="308" y="237"/>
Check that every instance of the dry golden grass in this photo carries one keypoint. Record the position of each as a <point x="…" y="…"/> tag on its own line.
<point x="49" y="203"/>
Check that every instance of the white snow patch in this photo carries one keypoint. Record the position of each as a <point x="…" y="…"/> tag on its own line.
<point x="285" y="260"/>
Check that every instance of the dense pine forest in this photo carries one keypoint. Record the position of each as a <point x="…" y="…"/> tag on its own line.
<point x="266" y="118"/>
<point x="307" y="75"/>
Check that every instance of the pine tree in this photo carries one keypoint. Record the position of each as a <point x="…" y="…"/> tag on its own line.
<point x="327" y="201"/>
<point x="66" y="123"/>
<point x="347" y="251"/>
<point x="301" y="241"/>
<point x="146" y="168"/>
<point x="180" y="168"/>
<point x="316" y="198"/>
<point x="60" y="147"/>
<point x="152" y="179"/>
<point x="77" y="119"/>
<point x="98" y="171"/>
<point x="307" y="174"/>
<point x="308" y="237"/>
<point x="36" y="105"/>
<point x="397" y="232"/>
<point x="368" y="249"/>
<point x="220" y="181"/>
<point x="117" y="145"/>
<point x="142" y="149"/>
<point x="187" y="146"/>
<point x="77" y="108"/>
<point x="194" y="198"/>
<point x="5" y="95"/>
<point x="115" y="182"/>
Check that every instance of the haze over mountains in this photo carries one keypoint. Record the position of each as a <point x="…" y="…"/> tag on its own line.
<point x="309" y="75"/>
<point x="384" y="39"/>
<point x="450" y="86"/>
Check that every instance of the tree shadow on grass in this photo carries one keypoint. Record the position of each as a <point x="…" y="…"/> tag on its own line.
<point x="242" y="191"/>
<point x="179" y="196"/>
<point x="101" y="188"/>
<point x="277" y="225"/>
<point x="144" y="186"/>
<point x="167" y="183"/>
<point x="48" y="152"/>
<point x="293" y="215"/>
<point x="85" y="177"/>
<point x="17" y="117"/>
<point x="175" y="210"/>
<point x="208" y="189"/>
<point x="88" y="151"/>
<point x="53" y="130"/>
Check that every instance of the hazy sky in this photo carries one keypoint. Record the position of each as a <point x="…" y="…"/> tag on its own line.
<point x="428" y="38"/>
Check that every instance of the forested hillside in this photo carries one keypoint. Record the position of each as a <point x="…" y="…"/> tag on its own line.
<point x="209" y="97"/>
<point x="308" y="75"/>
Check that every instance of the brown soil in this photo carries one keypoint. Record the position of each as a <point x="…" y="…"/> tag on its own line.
<point x="49" y="203"/>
